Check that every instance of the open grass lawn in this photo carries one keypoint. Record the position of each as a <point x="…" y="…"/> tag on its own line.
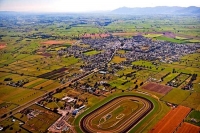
<point x="170" y="39"/>
<point x="176" y="96"/>
<point x="61" y="94"/>
<point x="32" y="57"/>
<point x="15" y="77"/>
<point x="17" y="95"/>
<point x="170" y="77"/>
<point x="53" y="105"/>
<point x="145" y="74"/>
<point x="125" y="71"/>
<point x="181" y="38"/>
<point x="117" y="59"/>
<point x="152" y="35"/>
<point x="160" y="74"/>
<point x="147" y="65"/>
<point x="51" y="86"/>
<point x="118" y="82"/>
<point x="194" y="115"/>
<point x="35" y="82"/>
<point x="69" y="61"/>
<point x="191" y="57"/>
<point x="93" y="52"/>
<point x="196" y="87"/>
<point x="44" y="84"/>
<point x="194" y="41"/>
<point x="192" y="101"/>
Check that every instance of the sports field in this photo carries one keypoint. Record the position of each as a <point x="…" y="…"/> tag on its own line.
<point x="115" y="111"/>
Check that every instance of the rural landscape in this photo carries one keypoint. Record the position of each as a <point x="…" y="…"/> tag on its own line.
<point x="112" y="72"/>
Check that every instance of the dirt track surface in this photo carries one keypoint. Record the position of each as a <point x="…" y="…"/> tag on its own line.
<point x="188" y="128"/>
<point x="171" y="121"/>
<point x="126" y="124"/>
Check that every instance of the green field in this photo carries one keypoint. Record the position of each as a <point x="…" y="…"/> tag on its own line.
<point x="170" y="39"/>
<point x="176" y="96"/>
<point x="194" y="118"/>
<point x="117" y="59"/>
<point x="93" y="52"/>
<point x="192" y="101"/>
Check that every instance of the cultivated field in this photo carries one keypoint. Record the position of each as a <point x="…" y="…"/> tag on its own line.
<point x="163" y="89"/>
<point x="188" y="128"/>
<point x="170" y="122"/>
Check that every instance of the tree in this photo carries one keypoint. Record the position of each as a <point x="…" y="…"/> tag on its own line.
<point x="136" y="86"/>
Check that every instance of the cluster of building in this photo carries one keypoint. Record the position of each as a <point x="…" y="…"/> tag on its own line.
<point x="137" y="48"/>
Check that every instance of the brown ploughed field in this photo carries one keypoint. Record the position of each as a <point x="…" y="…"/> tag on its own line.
<point x="170" y="122"/>
<point x="188" y="128"/>
<point x="163" y="89"/>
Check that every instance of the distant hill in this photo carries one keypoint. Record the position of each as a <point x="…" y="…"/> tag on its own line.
<point x="158" y="10"/>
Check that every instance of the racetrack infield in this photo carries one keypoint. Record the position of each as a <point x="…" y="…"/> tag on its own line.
<point x="117" y="115"/>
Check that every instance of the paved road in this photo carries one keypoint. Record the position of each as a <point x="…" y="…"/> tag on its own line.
<point x="126" y="125"/>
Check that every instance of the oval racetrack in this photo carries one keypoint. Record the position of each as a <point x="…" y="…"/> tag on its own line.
<point x="124" y="125"/>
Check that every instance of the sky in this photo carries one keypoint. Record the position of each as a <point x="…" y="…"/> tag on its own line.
<point x="86" y="5"/>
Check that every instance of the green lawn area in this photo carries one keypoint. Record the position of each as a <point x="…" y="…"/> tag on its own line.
<point x="181" y="38"/>
<point x="194" y="115"/>
<point x="176" y="96"/>
<point x="125" y="71"/>
<point x="51" y="86"/>
<point x="170" y="39"/>
<point x="193" y="101"/>
<point x="117" y="59"/>
<point x="93" y="52"/>
<point x="152" y="35"/>
<point x="69" y="61"/>
<point x="17" y="95"/>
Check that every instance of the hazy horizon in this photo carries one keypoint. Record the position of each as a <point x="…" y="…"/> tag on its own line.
<point x="86" y="5"/>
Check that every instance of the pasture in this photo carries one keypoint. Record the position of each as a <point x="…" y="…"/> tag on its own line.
<point x="17" y="96"/>
<point x="176" y="96"/>
<point x="93" y="52"/>
<point x="194" y="118"/>
<point x="117" y="59"/>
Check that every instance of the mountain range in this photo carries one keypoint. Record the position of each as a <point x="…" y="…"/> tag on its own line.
<point x="157" y="10"/>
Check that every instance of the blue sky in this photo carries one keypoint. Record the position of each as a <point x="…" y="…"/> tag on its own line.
<point x="86" y="5"/>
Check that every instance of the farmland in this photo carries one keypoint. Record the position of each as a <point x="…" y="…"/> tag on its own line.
<point x="186" y="127"/>
<point x="96" y="73"/>
<point x="178" y="114"/>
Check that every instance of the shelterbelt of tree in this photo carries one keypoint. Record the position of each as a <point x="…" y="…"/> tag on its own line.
<point x="120" y="114"/>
